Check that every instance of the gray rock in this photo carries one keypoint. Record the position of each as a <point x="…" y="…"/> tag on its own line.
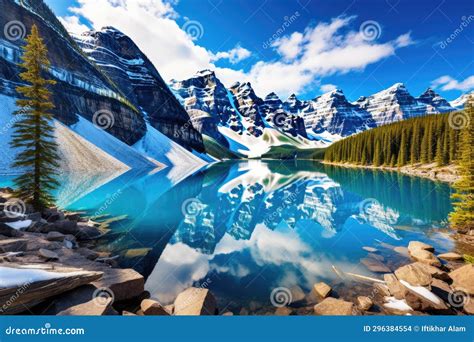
<point x="153" y="308"/>
<point x="334" y="307"/>
<point x="463" y="279"/>
<point x="322" y="289"/>
<point x="365" y="303"/>
<point x="55" y="236"/>
<point x="8" y="231"/>
<point x="124" y="283"/>
<point x="47" y="254"/>
<point x="414" y="275"/>
<point x="195" y="301"/>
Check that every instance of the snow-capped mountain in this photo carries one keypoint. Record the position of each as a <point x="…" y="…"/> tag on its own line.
<point x="109" y="110"/>
<point x="392" y="104"/>
<point x="123" y="62"/>
<point x="333" y="113"/>
<point x="460" y="102"/>
<point x="249" y="125"/>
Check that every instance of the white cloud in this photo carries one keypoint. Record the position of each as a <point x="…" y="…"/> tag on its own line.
<point x="304" y="57"/>
<point x="73" y="25"/>
<point x="449" y="83"/>
<point x="237" y="54"/>
<point x="325" y="88"/>
<point x="289" y="47"/>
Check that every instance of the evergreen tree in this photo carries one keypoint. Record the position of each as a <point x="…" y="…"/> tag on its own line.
<point x="463" y="199"/>
<point x="402" y="155"/>
<point x="33" y="134"/>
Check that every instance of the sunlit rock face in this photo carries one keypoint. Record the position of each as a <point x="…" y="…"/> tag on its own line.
<point x="396" y="104"/>
<point x="333" y="113"/>
<point x="127" y="66"/>
<point x="81" y="86"/>
<point x="208" y="103"/>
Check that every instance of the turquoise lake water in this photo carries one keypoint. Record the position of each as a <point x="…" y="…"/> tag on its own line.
<point x="243" y="229"/>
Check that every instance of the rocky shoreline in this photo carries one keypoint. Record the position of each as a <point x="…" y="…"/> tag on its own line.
<point x="447" y="174"/>
<point x="50" y="267"/>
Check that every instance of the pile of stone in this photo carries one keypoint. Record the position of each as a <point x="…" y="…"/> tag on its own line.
<point x="47" y="267"/>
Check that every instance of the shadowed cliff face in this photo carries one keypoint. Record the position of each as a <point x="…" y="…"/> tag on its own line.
<point x="81" y="88"/>
<point x="136" y="77"/>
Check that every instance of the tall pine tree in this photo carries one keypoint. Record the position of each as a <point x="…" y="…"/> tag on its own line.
<point x="463" y="199"/>
<point x="34" y="132"/>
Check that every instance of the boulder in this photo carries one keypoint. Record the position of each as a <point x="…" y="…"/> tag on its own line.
<point x="422" y="299"/>
<point x="297" y="294"/>
<point x="469" y="305"/>
<point x="88" y="253"/>
<point x="151" y="307"/>
<point x="82" y="301"/>
<point x="425" y="257"/>
<point x="322" y="289"/>
<point x="451" y="256"/>
<point x="463" y="279"/>
<point x="47" y="254"/>
<point x="414" y="275"/>
<point x="433" y="271"/>
<point x="283" y="311"/>
<point x="381" y="289"/>
<point x="8" y="231"/>
<point x="402" y="251"/>
<point x="195" y="301"/>
<point x="55" y="236"/>
<point x="396" y="289"/>
<point x="86" y="232"/>
<point x="364" y="302"/>
<point x="48" y="282"/>
<point x="13" y="245"/>
<point x="123" y="283"/>
<point x="441" y="289"/>
<point x="414" y="245"/>
<point x="334" y="307"/>
<point x="375" y="265"/>
<point x="228" y="313"/>
<point x="62" y="226"/>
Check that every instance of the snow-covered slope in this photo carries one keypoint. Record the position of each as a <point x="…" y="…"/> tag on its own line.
<point x="77" y="154"/>
<point x="159" y="147"/>
<point x="460" y="102"/>
<point x="112" y="145"/>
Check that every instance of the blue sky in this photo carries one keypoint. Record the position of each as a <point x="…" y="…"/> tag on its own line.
<point x="302" y="46"/>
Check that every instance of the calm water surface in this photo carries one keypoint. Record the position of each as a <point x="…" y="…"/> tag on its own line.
<point x="245" y="228"/>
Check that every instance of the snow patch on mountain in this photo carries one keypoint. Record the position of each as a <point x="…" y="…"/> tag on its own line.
<point x="159" y="147"/>
<point x="112" y="145"/>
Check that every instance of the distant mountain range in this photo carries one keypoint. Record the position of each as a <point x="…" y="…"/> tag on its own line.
<point x="189" y="121"/>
